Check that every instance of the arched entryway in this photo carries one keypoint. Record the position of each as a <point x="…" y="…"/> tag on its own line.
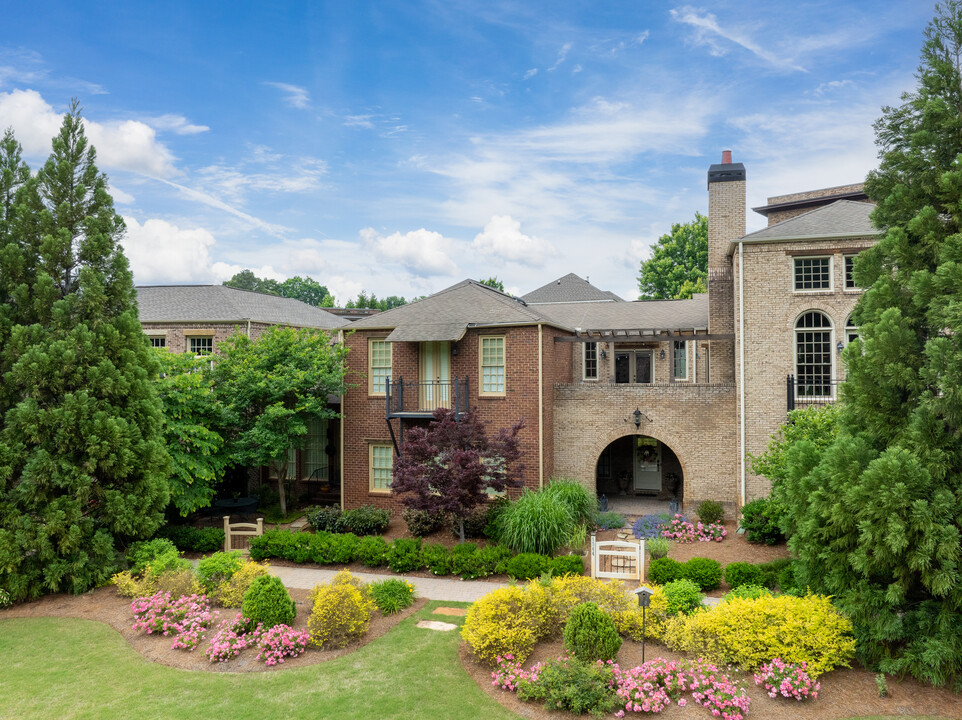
<point x="639" y="466"/>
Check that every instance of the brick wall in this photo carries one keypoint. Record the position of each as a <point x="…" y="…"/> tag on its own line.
<point x="695" y="421"/>
<point x="726" y="222"/>
<point x="364" y="416"/>
<point x="771" y="310"/>
<point x="177" y="334"/>
<point x="781" y="215"/>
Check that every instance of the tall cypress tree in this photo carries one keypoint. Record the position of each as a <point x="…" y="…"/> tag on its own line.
<point x="82" y="457"/>
<point x="877" y="517"/>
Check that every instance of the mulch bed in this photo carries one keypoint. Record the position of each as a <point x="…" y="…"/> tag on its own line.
<point x="107" y="607"/>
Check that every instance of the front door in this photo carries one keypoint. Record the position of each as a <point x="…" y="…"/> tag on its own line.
<point x="435" y="371"/>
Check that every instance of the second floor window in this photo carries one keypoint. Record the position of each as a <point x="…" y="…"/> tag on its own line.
<point x="849" y="273"/>
<point x="492" y="366"/>
<point x="379" y="366"/>
<point x="813" y="273"/>
<point x="201" y="345"/>
<point x="591" y="361"/>
<point x="158" y="341"/>
<point x="680" y="359"/>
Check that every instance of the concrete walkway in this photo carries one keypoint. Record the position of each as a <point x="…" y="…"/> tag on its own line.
<point x="447" y="589"/>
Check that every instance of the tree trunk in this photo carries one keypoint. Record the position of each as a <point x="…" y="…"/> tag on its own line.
<point x="461" y="528"/>
<point x="281" y="493"/>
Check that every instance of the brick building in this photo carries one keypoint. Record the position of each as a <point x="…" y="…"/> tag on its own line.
<point x="651" y="397"/>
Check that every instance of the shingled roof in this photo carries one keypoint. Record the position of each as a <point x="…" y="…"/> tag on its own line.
<point x="446" y="315"/>
<point x="222" y="304"/>
<point x="657" y="315"/>
<point x="569" y="288"/>
<point x="843" y="218"/>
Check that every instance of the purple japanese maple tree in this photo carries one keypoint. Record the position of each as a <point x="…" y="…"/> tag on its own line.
<point x="450" y="466"/>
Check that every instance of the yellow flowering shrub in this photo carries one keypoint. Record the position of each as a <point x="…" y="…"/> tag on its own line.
<point x="129" y="586"/>
<point x="749" y="632"/>
<point x="629" y="621"/>
<point x="341" y="611"/>
<point x="230" y="594"/>
<point x="179" y="583"/>
<point x="507" y="620"/>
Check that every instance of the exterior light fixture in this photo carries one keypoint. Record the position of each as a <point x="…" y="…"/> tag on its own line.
<point x="604" y="353"/>
<point x="637" y="418"/>
<point x="840" y="347"/>
<point x="644" y="600"/>
<point x="454" y="348"/>
<point x="661" y="355"/>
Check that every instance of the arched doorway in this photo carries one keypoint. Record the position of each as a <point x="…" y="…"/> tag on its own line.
<point x="639" y="466"/>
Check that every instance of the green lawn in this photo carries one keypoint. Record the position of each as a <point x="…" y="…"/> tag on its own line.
<point x="66" y="668"/>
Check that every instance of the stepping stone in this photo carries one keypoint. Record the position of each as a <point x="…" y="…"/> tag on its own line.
<point x="457" y="612"/>
<point x="299" y="523"/>
<point x="436" y="625"/>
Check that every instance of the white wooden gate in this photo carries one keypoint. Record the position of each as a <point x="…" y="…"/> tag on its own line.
<point x="242" y="530"/>
<point x="618" y="559"/>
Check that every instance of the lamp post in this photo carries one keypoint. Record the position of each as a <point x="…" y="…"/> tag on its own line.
<point x="644" y="600"/>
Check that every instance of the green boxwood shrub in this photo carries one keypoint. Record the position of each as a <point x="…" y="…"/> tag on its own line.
<point x="192" y="539"/>
<point x="591" y="634"/>
<point x="366" y="520"/>
<point x="683" y="597"/>
<point x="761" y="519"/>
<point x="267" y="602"/>
<point x="752" y="592"/>
<point x="704" y="572"/>
<point x="743" y="573"/>
<point x="711" y="511"/>
<point x="436" y="558"/>
<point x="526" y="566"/>
<point x="217" y="569"/>
<point x="141" y="553"/>
<point x="326" y="519"/>
<point x="372" y="551"/>
<point x="422" y="522"/>
<point x="567" y="565"/>
<point x="404" y="555"/>
<point x="665" y="570"/>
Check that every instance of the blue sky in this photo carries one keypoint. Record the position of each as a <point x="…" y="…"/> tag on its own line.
<point x="401" y="147"/>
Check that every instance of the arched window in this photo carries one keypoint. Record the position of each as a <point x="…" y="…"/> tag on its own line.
<point x="813" y="355"/>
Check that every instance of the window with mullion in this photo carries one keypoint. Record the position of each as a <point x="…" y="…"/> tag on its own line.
<point x="492" y="366"/>
<point x="591" y="361"/>
<point x="813" y="273"/>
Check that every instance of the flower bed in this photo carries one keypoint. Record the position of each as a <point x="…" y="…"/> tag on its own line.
<point x="681" y="530"/>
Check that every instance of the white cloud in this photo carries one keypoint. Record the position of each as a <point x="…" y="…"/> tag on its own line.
<point x="562" y="54"/>
<point x="294" y="95"/>
<point x="503" y="239"/>
<point x="126" y="145"/>
<point x="176" y="124"/>
<point x="160" y="252"/>
<point x="832" y="86"/>
<point x="530" y="73"/>
<point x="576" y="69"/>
<point x="708" y="30"/>
<point x="121" y="197"/>
<point x="642" y="37"/>
<point x="361" y="121"/>
<point x="422" y="252"/>
<point x="296" y="175"/>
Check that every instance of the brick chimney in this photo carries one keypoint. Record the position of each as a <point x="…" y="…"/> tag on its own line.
<point x="726" y="222"/>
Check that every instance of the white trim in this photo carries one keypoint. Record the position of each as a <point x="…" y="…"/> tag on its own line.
<point x="845" y="287"/>
<point x="540" y="406"/>
<point x="831" y="274"/>
<point x="832" y="351"/>
<point x="584" y="361"/>
<point x="688" y="347"/>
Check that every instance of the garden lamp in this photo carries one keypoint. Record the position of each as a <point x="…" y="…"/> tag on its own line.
<point x="644" y="600"/>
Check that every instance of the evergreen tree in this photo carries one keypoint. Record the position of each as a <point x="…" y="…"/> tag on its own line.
<point x="82" y="459"/>
<point x="678" y="267"/>
<point x="877" y="516"/>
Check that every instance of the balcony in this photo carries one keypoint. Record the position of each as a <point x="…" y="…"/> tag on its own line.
<point x="805" y="391"/>
<point x="419" y="400"/>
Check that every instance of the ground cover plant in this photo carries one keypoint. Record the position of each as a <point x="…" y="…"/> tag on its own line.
<point x="648" y="526"/>
<point x="609" y="520"/>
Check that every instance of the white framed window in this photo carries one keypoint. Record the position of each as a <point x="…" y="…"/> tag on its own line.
<point x="158" y="341"/>
<point x="813" y="273"/>
<point x="491" y="357"/>
<point x="814" y="351"/>
<point x="378" y="366"/>
<point x="851" y="330"/>
<point x="201" y="345"/>
<point x="679" y="359"/>
<point x="849" y="275"/>
<point x="381" y="462"/>
<point x="590" y="364"/>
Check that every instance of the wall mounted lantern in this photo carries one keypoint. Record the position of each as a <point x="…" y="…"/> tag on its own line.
<point x="840" y="347"/>
<point x="604" y="354"/>
<point x="661" y="355"/>
<point x="637" y="418"/>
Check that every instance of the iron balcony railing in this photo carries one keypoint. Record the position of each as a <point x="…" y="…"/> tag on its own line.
<point x="805" y="391"/>
<point x="422" y="398"/>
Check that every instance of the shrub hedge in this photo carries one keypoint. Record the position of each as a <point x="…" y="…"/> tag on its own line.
<point x="191" y="539"/>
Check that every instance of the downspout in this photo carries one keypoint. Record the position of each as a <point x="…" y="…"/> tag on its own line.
<point x="248" y="328"/>
<point x="540" y="406"/>
<point x="741" y="364"/>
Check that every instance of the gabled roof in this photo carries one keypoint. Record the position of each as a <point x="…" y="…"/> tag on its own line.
<point x="841" y="219"/>
<point x="222" y="304"/>
<point x="569" y="288"/>
<point x="446" y="315"/>
<point x="657" y="315"/>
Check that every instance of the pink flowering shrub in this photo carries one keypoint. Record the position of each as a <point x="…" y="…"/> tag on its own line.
<point x="186" y="619"/>
<point x="648" y="688"/>
<point x="789" y="680"/>
<point x="232" y="637"/>
<point x="282" y="641"/>
<point x="683" y="531"/>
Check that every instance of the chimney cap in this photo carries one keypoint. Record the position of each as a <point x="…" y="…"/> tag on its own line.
<point x="726" y="157"/>
<point x="726" y="172"/>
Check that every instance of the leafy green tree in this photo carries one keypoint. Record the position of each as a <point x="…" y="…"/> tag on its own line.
<point x="364" y="300"/>
<point x="678" y="267"/>
<point x="247" y="280"/>
<point x="306" y="290"/>
<point x="272" y="387"/>
<point x="194" y="428"/>
<point x="83" y="465"/>
<point x="878" y="514"/>
<point x="494" y="282"/>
